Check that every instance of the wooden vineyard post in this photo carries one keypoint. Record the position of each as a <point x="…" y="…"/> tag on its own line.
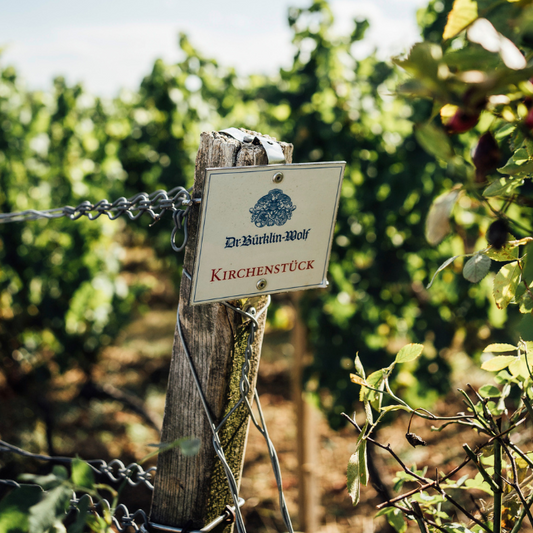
<point x="195" y="488"/>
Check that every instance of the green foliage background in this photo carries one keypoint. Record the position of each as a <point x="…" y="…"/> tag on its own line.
<point x="62" y="294"/>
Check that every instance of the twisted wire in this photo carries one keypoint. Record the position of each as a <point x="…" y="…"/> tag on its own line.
<point x="122" y="518"/>
<point x="178" y="201"/>
<point x="115" y="470"/>
<point x="244" y="387"/>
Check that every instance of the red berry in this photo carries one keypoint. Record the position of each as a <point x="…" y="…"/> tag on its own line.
<point x="462" y="121"/>
<point x="486" y="156"/>
<point x="528" y="122"/>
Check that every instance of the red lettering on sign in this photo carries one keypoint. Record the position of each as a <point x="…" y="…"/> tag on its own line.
<point x="214" y="274"/>
<point x="218" y="274"/>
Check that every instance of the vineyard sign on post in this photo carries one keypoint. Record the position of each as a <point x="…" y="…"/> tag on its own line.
<point x="253" y="229"/>
<point x="265" y="230"/>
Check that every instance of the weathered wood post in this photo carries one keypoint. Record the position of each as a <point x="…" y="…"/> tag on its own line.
<point x="195" y="488"/>
<point x="306" y="430"/>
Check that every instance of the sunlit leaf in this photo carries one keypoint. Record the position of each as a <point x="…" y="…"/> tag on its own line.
<point x="502" y="186"/>
<point x="374" y="380"/>
<point x="463" y="13"/>
<point x="498" y="363"/>
<point x="476" y="268"/>
<point x="478" y="483"/>
<point x="519" y="367"/>
<point x="438" y="219"/>
<point x="484" y="33"/>
<point x="505" y="284"/>
<point x="500" y="348"/>
<point x="507" y="252"/>
<point x="410" y="352"/>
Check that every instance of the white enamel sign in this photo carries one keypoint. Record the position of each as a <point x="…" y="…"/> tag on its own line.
<point x="265" y="229"/>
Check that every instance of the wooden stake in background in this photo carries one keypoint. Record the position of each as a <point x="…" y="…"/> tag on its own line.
<point x="307" y="434"/>
<point x="195" y="488"/>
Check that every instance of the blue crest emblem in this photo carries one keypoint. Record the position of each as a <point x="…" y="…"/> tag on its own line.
<point x="273" y="209"/>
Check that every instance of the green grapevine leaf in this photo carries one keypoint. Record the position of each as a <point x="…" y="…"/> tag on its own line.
<point x="14" y="508"/>
<point x="409" y="352"/>
<point x="489" y="391"/>
<point x="51" y="508"/>
<point x="501" y="186"/>
<point x="526" y="303"/>
<point x="476" y="268"/>
<point x="82" y="474"/>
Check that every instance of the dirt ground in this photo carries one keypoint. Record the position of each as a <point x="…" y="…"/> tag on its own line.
<point x="96" y="420"/>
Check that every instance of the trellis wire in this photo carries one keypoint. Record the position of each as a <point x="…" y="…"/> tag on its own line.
<point x="115" y="470"/>
<point x="155" y="204"/>
<point x="244" y="387"/>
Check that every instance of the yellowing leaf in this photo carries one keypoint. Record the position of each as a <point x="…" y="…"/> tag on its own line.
<point x="498" y="363"/>
<point x="463" y="13"/>
<point x="505" y="284"/>
<point x="500" y="348"/>
<point x="358" y="380"/>
<point x="506" y="253"/>
<point x="520" y="242"/>
<point x="409" y="353"/>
